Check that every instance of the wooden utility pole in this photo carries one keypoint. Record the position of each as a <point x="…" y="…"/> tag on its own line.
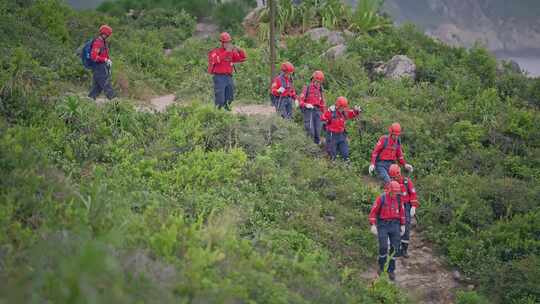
<point x="272" y="39"/>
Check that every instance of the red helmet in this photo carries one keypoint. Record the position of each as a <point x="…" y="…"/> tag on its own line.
<point x="393" y="187"/>
<point x="341" y="102"/>
<point x="395" y="129"/>
<point x="394" y="170"/>
<point x="105" y="30"/>
<point x="225" y="37"/>
<point x="287" y="67"/>
<point x="318" y="75"/>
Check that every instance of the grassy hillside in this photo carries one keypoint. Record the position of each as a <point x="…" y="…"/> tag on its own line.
<point x="104" y="204"/>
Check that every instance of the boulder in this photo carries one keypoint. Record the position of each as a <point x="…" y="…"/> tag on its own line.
<point x="332" y="37"/>
<point x="251" y="22"/>
<point x="336" y="51"/>
<point x="400" y="66"/>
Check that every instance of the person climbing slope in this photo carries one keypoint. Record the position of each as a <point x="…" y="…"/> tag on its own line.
<point x="221" y="65"/>
<point x="335" y="118"/>
<point x="101" y="64"/>
<point x="387" y="219"/>
<point x="311" y="103"/>
<point x="283" y="92"/>
<point x="409" y="200"/>
<point x="386" y="152"/>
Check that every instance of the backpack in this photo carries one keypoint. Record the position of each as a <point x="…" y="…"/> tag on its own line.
<point x="307" y="92"/>
<point x="87" y="62"/>
<point x="385" y="144"/>
<point x="213" y="59"/>
<point x="383" y="199"/>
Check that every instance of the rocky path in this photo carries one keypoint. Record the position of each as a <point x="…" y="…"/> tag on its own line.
<point x="423" y="275"/>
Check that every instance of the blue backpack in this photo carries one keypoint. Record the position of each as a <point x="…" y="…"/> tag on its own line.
<point x="87" y="62"/>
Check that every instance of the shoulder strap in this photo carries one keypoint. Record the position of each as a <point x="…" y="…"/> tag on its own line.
<point x="383" y="199"/>
<point x="406" y="184"/>
<point x="309" y="87"/>
<point x="283" y="81"/>
<point x="385" y="144"/>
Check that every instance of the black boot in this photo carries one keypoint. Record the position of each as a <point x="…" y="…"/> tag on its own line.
<point x="392" y="276"/>
<point x="403" y="250"/>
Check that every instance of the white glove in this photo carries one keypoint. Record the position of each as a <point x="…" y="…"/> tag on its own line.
<point x="413" y="211"/>
<point x="358" y="109"/>
<point x="281" y="90"/>
<point x="108" y="62"/>
<point x="296" y="103"/>
<point x="402" y="228"/>
<point x="409" y="168"/>
<point x="332" y="108"/>
<point x="309" y="106"/>
<point x="371" y="169"/>
<point x="373" y="229"/>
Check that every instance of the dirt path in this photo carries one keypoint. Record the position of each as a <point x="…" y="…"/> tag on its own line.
<point x="253" y="109"/>
<point x="161" y="103"/>
<point x="423" y="275"/>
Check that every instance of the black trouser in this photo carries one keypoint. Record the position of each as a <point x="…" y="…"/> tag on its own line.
<point x="101" y="82"/>
<point x="388" y="230"/>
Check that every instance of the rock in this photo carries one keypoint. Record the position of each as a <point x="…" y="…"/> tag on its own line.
<point x="336" y="51"/>
<point x="456" y="275"/>
<point x="332" y="37"/>
<point x="167" y="52"/>
<point x="251" y="22"/>
<point x="470" y="287"/>
<point x="330" y="218"/>
<point x="400" y="66"/>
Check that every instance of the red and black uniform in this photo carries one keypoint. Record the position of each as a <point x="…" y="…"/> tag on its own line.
<point x="222" y="61"/>
<point x="99" y="54"/>
<point x="386" y="152"/>
<point x="337" y="137"/>
<point x="388" y="214"/>
<point x="221" y="65"/>
<point x="312" y="94"/>
<point x="409" y="199"/>
<point x="283" y="102"/>
<point x="100" y="51"/>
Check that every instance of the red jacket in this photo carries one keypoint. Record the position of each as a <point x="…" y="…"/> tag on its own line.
<point x="409" y="192"/>
<point x="391" y="210"/>
<point x="335" y="120"/>
<point x="287" y="85"/>
<point x="314" y="97"/>
<point x="392" y="151"/>
<point x="223" y="61"/>
<point x="100" y="51"/>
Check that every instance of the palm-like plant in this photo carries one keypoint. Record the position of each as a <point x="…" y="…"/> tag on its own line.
<point x="366" y="18"/>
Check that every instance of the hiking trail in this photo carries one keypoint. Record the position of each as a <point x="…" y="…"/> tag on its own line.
<point x="423" y="276"/>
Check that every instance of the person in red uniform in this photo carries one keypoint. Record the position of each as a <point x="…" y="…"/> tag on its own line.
<point x="221" y="65"/>
<point x="386" y="152"/>
<point x="283" y="93"/>
<point x="101" y="69"/>
<point x="311" y="103"/>
<point x="387" y="220"/>
<point x="410" y="203"/>
<point x="335" y="118"/>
